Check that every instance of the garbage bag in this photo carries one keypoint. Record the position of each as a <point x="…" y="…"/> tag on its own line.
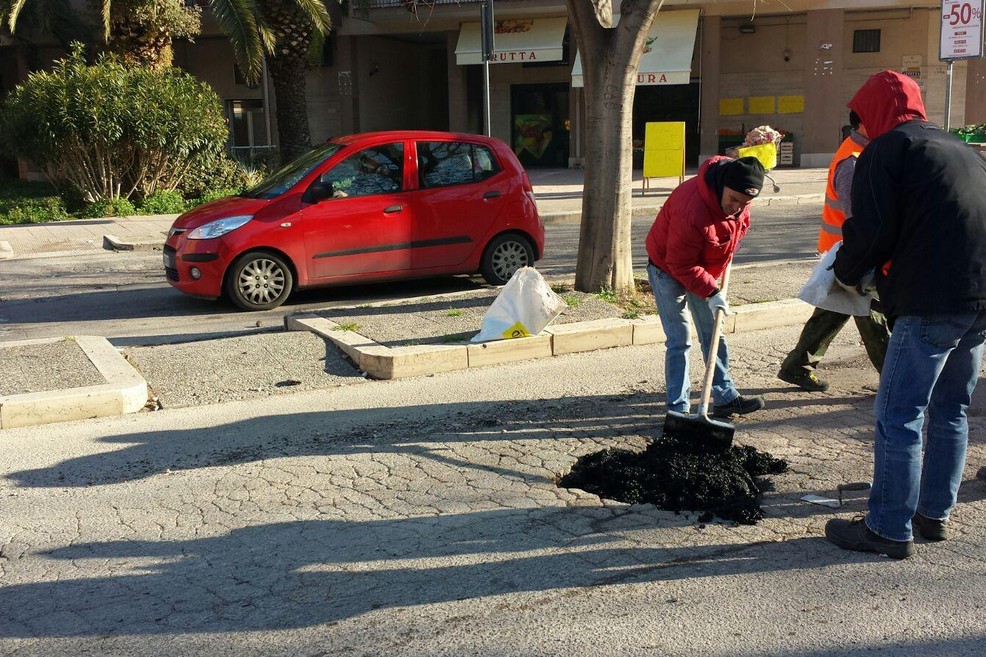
<point x="525" y="305"/>
<point x="821" y="290"/>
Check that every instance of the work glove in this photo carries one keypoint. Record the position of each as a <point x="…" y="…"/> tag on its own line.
<point x="859" y="288"/>
<point x="717" y="301"/>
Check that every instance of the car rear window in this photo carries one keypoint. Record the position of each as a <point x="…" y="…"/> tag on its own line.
<point x="445" y="163"/>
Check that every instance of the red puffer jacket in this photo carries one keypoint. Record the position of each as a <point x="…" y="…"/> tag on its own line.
<point x="692" y="239"/>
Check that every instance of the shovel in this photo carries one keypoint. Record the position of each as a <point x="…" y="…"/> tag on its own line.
<point x="699" y="431"/>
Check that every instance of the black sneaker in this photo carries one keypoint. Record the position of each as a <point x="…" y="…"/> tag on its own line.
<point x="855" y="535"/>
<point x="741" y="405"/>
<point x="803" y="378"/>
<point x="929" y="528"/>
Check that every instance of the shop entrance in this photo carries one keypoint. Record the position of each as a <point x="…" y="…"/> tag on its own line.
<point x="540" y="124"/>
<point x="677" y="102"/>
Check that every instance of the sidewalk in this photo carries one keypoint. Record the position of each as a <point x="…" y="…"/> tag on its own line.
<point x="558" y="193"/>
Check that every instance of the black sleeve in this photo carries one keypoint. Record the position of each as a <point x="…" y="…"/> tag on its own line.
<point x="869" y="235"/>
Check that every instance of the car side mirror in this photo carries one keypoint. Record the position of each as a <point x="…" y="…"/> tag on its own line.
<point x="320" y="190"/>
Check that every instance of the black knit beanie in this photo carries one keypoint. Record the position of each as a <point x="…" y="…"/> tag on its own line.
<point x="745" y="176"/>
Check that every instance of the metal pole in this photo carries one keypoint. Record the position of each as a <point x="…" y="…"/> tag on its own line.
<point x="948" y="95"/>
<point x="487" y="27"/>
<point x="486" y="96"/>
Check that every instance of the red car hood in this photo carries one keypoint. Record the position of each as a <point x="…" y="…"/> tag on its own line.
<point x="231" y="206"/>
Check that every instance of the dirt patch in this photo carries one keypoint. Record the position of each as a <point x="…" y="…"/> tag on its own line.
<point x="673" y="475"/>
<point x="456" y="318"/>
<point x="452" y="319"/>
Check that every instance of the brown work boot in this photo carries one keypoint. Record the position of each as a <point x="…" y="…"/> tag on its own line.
<point x="806" y="379"/>
<point x="929" y="529"/>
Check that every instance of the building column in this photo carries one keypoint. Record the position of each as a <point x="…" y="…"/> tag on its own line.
<point x="347" y="67"/>
<point x="458" y="90"/>
<point x="825" y="111"/>
<point x="975" y="92"/>
<point x="711" y="36"/>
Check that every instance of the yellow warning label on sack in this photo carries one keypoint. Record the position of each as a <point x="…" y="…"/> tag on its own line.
<point x="516" y="331"/>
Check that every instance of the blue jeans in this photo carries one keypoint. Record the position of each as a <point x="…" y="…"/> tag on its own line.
<point x="932" y="364"/>
<point x="671" y="298"/>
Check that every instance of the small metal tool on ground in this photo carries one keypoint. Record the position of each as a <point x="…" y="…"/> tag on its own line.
<point x="852" y="486"/>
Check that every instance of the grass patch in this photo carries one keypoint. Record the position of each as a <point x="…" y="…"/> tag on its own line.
<point x="572" y="300"/>
<point x="608" y="295"/>
<point x="349" y="326"/>
<point x="454" y="312"/>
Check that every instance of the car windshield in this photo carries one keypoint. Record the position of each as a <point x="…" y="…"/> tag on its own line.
<point x="289" y="175"/>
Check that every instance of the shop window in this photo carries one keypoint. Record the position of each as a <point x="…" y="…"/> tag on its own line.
<point x="866" y="41"/>
<point x="445" y="163"/>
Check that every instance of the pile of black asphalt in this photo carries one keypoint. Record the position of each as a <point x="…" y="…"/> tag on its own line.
<point x="679" y="475"/>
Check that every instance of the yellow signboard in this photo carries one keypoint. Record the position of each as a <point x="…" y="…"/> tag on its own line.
<point x="730" y="106"/>
<point x="790" y="104"/>
<point x="664" y="151"/>
<point x="761" y="104"/>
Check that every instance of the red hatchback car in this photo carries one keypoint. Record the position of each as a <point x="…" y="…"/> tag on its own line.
<point x="368" y="207"/>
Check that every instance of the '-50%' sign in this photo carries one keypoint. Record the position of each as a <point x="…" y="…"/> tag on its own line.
<point x="961" y="29"/>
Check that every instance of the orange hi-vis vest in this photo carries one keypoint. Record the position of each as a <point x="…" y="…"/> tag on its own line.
<point x="833" y="214"/>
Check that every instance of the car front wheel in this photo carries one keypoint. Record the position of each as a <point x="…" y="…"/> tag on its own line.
<point x="505" y="255"/>
<point x="259" y="281"/>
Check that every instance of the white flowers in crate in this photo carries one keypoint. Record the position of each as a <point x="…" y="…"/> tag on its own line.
<point x="762" y="134"/>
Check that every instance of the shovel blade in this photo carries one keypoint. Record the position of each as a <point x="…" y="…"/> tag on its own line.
<point x="699" y="431"/>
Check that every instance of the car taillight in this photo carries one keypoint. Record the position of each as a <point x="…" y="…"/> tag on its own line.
<point x="528" y="189"/>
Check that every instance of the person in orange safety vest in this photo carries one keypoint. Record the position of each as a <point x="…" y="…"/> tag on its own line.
<point x="821" y="328"/>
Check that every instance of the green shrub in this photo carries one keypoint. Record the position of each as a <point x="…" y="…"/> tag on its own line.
<point x="163" y="202"/>
<point x="211" y="195"/>
<point x="28" y="210"/>
<point x="116" y="207"/>
<point x="211" y="172"/>
<point x="108" y="131"/>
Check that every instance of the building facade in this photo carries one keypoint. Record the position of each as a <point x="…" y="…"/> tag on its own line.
<point x="720" y="67"/>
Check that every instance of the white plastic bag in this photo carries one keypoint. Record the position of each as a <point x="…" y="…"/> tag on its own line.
<point x="821" y="290"/>
<point x="525" y="305"/>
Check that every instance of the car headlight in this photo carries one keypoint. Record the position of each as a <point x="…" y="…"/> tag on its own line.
<point x="219" y="227"/>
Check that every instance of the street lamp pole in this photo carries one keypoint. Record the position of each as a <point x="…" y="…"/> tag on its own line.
<point x="486" y="24"/>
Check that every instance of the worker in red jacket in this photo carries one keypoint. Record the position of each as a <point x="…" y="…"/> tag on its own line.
<point x="691" y="243"/>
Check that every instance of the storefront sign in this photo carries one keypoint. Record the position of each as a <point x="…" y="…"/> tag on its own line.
<point x="961" y="29"/>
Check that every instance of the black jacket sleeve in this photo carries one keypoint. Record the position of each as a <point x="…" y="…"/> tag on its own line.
<point x="869" y="235"/>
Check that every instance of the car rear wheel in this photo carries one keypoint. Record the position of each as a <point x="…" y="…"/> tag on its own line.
<point x="259" y="281"/>
<point x="505" y="255"/>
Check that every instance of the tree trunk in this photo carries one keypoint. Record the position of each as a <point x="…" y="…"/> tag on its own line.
<point x="288" y="77"/>
<point x="610" y="59"/>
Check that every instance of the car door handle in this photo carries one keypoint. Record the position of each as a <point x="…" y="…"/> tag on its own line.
<point x="492" y="194"/>
<point x="393" y="208"/>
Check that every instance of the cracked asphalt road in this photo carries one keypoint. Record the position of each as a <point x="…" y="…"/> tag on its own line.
<point x="421" y="517"/>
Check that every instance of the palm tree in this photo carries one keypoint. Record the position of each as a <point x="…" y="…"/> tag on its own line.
<point x="140" y="31"/>
<point x="281" y="32"/>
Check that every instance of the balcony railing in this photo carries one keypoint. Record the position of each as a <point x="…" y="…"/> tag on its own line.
<point x="380" y="4"/>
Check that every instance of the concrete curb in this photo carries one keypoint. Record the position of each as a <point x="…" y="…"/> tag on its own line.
<point x="654" y="206"/>
<point x="125" y="390"/>
<point x="6" y="251"/>
<point x="381" y="362"/>
<point x="114" y="243"/>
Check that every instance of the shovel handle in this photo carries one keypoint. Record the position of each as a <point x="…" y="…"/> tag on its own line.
<point x="710" y="360"/>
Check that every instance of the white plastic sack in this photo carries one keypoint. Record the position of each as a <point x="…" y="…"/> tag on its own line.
<point x="821" y="290"/>
<point x="525" y="305"/>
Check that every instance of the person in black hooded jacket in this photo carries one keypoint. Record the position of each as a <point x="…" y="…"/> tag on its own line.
<point x="918" y="228"/>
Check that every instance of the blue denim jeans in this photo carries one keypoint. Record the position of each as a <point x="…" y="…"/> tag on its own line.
<point x="671" y="299"/>
<point x="932" y="365"/>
